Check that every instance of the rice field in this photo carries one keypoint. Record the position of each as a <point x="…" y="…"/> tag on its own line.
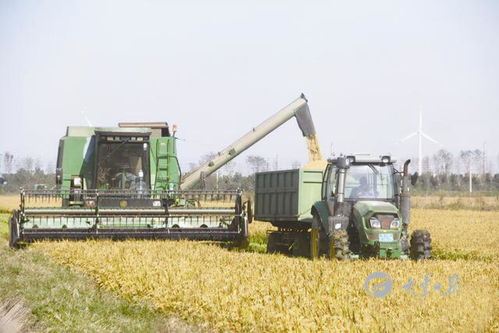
<point x="9" y="202"/>
<point x="248" y="291"/>
<point x="463" y="201"/>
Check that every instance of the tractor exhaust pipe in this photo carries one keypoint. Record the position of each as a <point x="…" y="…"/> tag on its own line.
<point x="405" y="198"/>
<point x="337" y="219"/>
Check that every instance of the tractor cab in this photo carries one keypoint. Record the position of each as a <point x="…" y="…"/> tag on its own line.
<point x="364" y="177"/>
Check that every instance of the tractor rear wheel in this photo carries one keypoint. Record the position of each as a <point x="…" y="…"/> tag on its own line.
<point x="340" y="245"/>
<point x="420" y="245"/>
<point x="314" y="243"/>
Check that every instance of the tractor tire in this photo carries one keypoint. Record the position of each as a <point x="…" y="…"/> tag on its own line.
<point x="319" y="240"/>
<point x="420" y="245"/>
<point x="404" y="245"/>
<point x="314" y="243"/>
<point x="14" y="231"/>
<point x="340" y="245"/>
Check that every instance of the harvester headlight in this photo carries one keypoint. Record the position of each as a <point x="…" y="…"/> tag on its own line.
<point x="77" y="181"/>
<point x="374" y="223"/>
<point x="395" y="224"/>
<point x="385" y="159"/>
<point x="90" y="203"/>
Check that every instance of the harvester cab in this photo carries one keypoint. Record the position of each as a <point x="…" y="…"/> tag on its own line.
<point x="365" y="211"/>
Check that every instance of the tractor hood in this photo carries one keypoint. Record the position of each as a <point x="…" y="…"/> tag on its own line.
<point x="367" y="208"/>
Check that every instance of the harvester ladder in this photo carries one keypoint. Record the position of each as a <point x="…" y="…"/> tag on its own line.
<point x="161" y="165"/>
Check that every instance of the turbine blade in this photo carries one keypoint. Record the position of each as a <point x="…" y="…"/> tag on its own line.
<point x="409" y="136"/>
<point x="429" y="138"/>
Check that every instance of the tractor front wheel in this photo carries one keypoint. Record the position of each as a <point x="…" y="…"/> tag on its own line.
<point x="420" y="245"/>
<point x="340" y="245"/>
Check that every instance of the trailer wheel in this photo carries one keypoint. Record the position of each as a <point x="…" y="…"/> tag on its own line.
<point x="420" y="245"/>
<point x="301" y="247"/>
<point x="14" y="231"/>
<point x="340" y="245"/>
<point x="272" y="243"/>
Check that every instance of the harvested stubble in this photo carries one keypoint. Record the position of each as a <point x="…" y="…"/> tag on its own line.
<point x="258" y="292"/>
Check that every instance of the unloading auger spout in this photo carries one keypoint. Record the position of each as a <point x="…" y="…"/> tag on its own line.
<point x="298" y="109"/>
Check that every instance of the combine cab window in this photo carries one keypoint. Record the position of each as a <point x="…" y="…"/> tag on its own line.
<point x="123" y="165"/>
<point x="369" y="181"/>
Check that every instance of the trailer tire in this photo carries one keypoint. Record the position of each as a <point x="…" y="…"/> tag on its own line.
<point x="300" y="247"/>
<point x="272" y="243"/>
<point x="420" y="245"/>
<point x="340" y="245"/>
<point x="14" y="230"/>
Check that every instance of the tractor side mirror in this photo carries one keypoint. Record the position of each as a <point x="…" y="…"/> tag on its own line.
<point x="342" y="162"/>
<point x="414" y="178"/>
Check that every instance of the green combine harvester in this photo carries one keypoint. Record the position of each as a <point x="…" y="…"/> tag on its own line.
<point x="357" y="207"/>
<point x="126" y="182"/>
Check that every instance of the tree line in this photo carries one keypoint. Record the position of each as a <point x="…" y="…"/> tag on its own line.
<point x="443" y="171"/>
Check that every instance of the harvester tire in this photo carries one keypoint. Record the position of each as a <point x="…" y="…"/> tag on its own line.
<point x="14" y="231"/>
<point x="242" y="243"/>
<point x="420" y="245"/>
<point x="340" y="245"/>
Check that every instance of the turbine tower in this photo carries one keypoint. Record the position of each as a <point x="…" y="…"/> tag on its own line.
<point x="420" y="135"/>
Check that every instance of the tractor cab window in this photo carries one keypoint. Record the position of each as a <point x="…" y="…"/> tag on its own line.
<point x="123" y="165"/>
<point x="329" y="182"/>
<point x="369" y="181"/>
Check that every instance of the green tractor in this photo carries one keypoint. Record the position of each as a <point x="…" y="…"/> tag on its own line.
<point x="361" y="211"/>
<point x="365" y="212"/>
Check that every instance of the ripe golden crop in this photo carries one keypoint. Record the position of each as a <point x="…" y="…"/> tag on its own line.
<point x="460" y="233"/>
<point x="243" y="291"/>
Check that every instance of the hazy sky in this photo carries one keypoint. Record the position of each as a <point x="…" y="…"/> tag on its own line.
<point x="218" y="68"/>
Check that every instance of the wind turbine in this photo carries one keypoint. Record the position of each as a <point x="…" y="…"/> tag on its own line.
<point x="420" y="135"/>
